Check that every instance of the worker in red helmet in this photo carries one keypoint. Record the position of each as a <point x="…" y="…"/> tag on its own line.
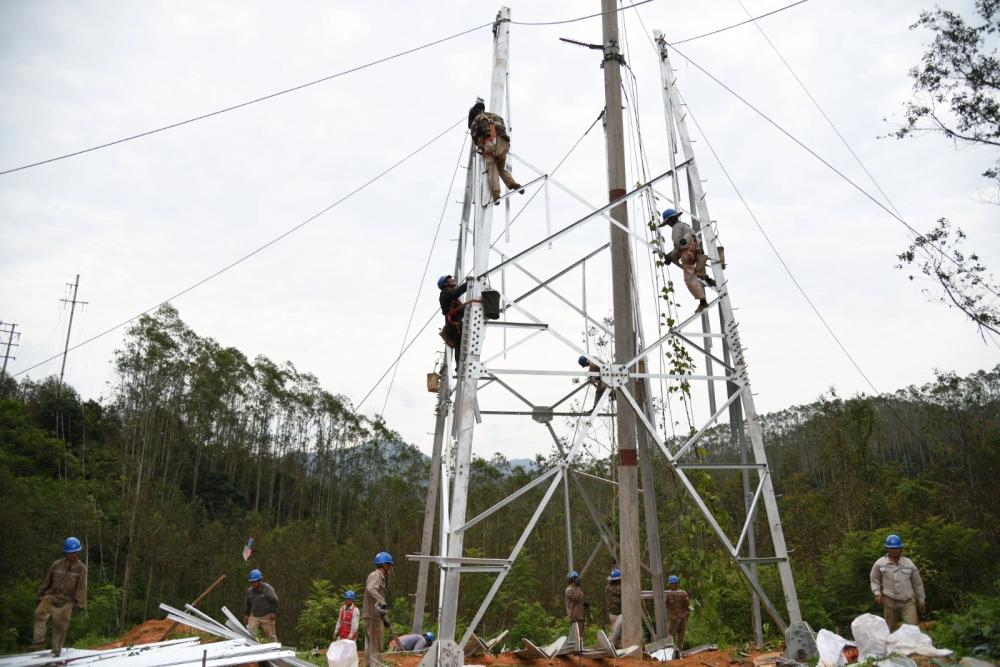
<point x="63" y="591"/>
<point x="489" y="134"/>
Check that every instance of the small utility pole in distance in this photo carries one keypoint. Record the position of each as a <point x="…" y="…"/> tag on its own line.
<point x="72" y="308"/>
<point x="9" y="330"/>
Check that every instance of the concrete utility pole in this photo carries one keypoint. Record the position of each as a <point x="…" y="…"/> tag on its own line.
<point x="10" y="342"/>
<point x="628" y="489"/>
<point x="72" y="308"/>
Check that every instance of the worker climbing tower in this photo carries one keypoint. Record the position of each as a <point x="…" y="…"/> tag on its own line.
<point x="627" y="408"/>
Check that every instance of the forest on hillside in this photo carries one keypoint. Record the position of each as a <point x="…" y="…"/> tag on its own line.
<point x="197" y="447"/>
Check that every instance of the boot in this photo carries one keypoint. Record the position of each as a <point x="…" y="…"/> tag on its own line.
<point x="702" y="305"/>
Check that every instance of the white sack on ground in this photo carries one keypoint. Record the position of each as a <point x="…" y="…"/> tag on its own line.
<point x="342" y="653"/>
<point x="831" y="649"/>
<point x="908" y="639"/>
<point x="870" y="632"/>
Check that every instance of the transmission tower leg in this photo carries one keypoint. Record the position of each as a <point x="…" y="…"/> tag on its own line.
<point x="430" y="505"/>
<point x="739" y="375"/>
<point x="446" y="651"/>
<point x="649" y="509"/>
<point x="441" y="423"/>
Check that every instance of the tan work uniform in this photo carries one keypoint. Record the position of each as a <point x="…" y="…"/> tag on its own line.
<point x="677" y="616"/>
<point x="575" y="609"/>
<point x="687" y="254"/>
<point x="262" y="610"/>
<point x="901" y="588"/>
<point x="374" y="627"/>
<point x="63" y="589"/>
<point x="494" y="154"/>
<point x="613" y="599"/>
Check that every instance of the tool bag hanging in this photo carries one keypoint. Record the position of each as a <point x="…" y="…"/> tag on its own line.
<point x="491" y="304"/>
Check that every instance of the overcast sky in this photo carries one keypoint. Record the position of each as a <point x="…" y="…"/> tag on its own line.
<point x="143" y="220"/>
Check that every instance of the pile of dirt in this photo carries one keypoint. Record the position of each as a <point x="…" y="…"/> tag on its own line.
<point x="705" y="659"/>
<point x="148" y="633"/>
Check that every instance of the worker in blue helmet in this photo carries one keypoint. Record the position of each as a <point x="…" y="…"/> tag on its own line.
<point x="412" y="642"/>
<point x="348" y="619"/>
<point x="576" y="606"/>
<point x="600" y="386"/>
<point x="613" y="601"/>
<point x="678" y="608"/>
<point x="453" y="309"/>
<point x="687" y="254"/>
<point x="261" y="607"/>
<point x="376" y="608"/>
<point x="63" y="591"/>
<point x="897" y="586"/>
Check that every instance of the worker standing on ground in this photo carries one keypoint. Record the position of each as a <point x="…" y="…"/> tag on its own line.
<point x="897" y="586"/>
<point x="489" y="134"/>
<point x="453" y="310"/>
<point x="613" y="600"/>
<point x="576" y="608"/>
<point x="412" y="642"/>
<point x="677" y="611"/>
<point x="599" y="384"/>
<point x="261" y="607"/>
<point x="348" y="619"/>
<point x="376" y="608"/>
<point x="63" y="591"/>
<point x="687" y="255"/>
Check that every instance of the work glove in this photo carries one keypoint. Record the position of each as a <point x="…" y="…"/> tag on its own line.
<point x="381" y="608"/>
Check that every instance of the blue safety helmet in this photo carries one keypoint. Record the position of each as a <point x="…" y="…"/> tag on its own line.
<point x="673" y="579"/>
<point x="616" y="575"/>
<point x="383" y="558"/>
<point x="573" y="574"/>
<point x="349" y="595"/>
<point x="671" y="213"/>
<point x="72" y="546"/>
<point x="894" y="542"/>
<point x="429" y="636"/>
<point x="255" y="575"/>
<point x="582" y="360"/>
<point x="442" y="280"/>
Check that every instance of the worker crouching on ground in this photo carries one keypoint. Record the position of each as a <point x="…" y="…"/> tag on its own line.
<point x="412" y="642"/>
<point x="63" y="591"/>
<point x="897" y="585"/>
<point x="599" y="384"/>
<point x="453" y="310"/>
<point x="576" y="608"/>
<point x="261" y="607"/>
<point x="687" y="255"/>
<point x="489" y="134"/>
<point x="613" y="599"/>
<point x="348" y="619"/>
<point x="677" y="611"/>
<point x="376" y="608"/>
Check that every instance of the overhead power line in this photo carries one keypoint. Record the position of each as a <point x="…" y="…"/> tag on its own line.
<point x="248" y="102"/>
<point x="826" y="163"/>
<point x="253" y="252"/>
<point x="583" y="18"/>
<point x="737" y="25"/>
